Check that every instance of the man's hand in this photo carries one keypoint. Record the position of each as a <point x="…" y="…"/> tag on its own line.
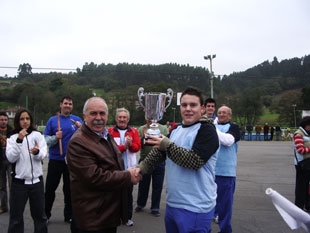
<point x="135" y="175"/>
<point x="154" y="140"/>
<point x="59" y="135"/>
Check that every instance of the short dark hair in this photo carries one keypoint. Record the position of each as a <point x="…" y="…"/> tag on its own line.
<point x="210" y="100"/>
<point x="65" y="98"/>
<point x="193" y="91"/>
<point x="305" y="121"/>
<point x="4" y="114"/>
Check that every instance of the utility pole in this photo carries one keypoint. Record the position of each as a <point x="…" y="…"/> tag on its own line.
<point x="210" y="57"/>
<point x="294" y="106"/>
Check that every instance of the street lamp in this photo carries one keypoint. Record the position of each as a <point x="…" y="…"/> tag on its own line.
<point x="294" y="106"/>
<point x="173" y="108"/>
<point x="210" y="57"/>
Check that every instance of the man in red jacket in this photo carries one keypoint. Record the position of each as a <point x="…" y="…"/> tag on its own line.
<point x="128" y="141"/>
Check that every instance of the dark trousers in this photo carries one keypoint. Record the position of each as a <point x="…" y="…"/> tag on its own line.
<point x="249" y="135"/>
<point x="19" y="195"/>
<point x="157" y="177"/>
<point x="302" y="198"/>
<point x="110" y="230"/>
<point x="56" y="169"/>
<point x="75" y="230"/>
<point x="130" y="201"/>
<point x="224" y="201"/>
<point x="5" y="180"/>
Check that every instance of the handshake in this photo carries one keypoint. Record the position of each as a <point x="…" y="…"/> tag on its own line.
<point x="135" y="175"/>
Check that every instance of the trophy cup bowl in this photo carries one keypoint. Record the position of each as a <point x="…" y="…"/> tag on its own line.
<point x="154" y="107"/>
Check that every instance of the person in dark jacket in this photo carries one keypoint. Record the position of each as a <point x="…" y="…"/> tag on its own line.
<point x="5" y="166"/>
<point x="98" y="180"/>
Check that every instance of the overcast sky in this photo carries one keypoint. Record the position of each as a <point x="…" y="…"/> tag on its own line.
<point x="69" y="33"/>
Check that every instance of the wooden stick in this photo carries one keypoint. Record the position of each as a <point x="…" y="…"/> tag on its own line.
<point x="59" y="129"/>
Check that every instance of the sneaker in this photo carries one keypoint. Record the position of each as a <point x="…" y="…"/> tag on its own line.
<point x="138" y="209"/>
<point x="129" y="223"/>
<point x="155" y="213"/>
<point x="216" y="219"/>
<point x="68" y="220"/>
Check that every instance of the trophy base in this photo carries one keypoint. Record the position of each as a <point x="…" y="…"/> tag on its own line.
<point x="152" y="131"/>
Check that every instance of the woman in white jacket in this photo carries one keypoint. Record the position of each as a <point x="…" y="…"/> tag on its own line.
<point x="26" y="149"/>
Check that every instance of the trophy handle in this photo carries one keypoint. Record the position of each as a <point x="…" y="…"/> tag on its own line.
<point x="169" y="96"/>
<point x="140" y="94"/>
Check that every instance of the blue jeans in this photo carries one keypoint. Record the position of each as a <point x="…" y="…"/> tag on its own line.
<point x="157" y="177"/>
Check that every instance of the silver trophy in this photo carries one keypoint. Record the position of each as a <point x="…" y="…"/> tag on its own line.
<point x="154" y="108"/>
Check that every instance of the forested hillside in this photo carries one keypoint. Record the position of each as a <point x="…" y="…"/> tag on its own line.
<point x="273" y="85"/>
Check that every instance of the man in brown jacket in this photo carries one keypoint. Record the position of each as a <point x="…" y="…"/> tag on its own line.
<point x="98" y="180"/>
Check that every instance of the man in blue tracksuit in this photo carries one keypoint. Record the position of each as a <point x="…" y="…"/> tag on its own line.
<point x="57" y="166"/>
<point x="225" y="169"/>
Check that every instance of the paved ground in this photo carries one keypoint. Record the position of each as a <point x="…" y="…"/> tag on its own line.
<point x="260" y="165"/>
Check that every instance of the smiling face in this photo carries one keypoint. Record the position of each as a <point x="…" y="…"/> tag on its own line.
<point x="66" y="107"/>
<point x="224" y="114"/>
<point x="191" y="109"/>
<point x="122" y="119"/>
<point x="210" y="109"/>
<point x="96" y="114"/>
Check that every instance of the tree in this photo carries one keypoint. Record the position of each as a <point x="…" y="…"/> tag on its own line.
<point x="286" y="110"/>
<point x="24" y="70"/>
<point x="305" y="97"/>
<point x="247" y="107"/>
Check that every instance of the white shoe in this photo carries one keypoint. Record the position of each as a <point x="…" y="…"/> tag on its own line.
<point x="129" y="223"/>
<point x="216" y="219"/>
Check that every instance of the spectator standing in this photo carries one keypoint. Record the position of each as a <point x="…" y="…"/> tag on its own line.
<point x="172" y="125"/>
<point x="278" y="132"/>
<point x="225" y="170"/>
<point x="302" y="164"/>
<point x="98" y="180"/>
<point x="258" y="130"/>
<point x="156" y="176"/>
<point x="128" y="142"/>
<point x="271" y="132"/>
<point x="26" y="150"/>
<point x="5" y="166"/>
<point x="57" y="141"/>
<point x="249" y="129"/>
<point x="242" y="132"/>
<point x="190" y="154"/>
<point x="168" y="125"/>
<point x="266" y="131"/>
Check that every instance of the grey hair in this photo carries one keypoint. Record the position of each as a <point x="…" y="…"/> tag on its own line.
<point x="228" y="108"/>
<point x="118" y="110"/>
<point x="93" y="98"/>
